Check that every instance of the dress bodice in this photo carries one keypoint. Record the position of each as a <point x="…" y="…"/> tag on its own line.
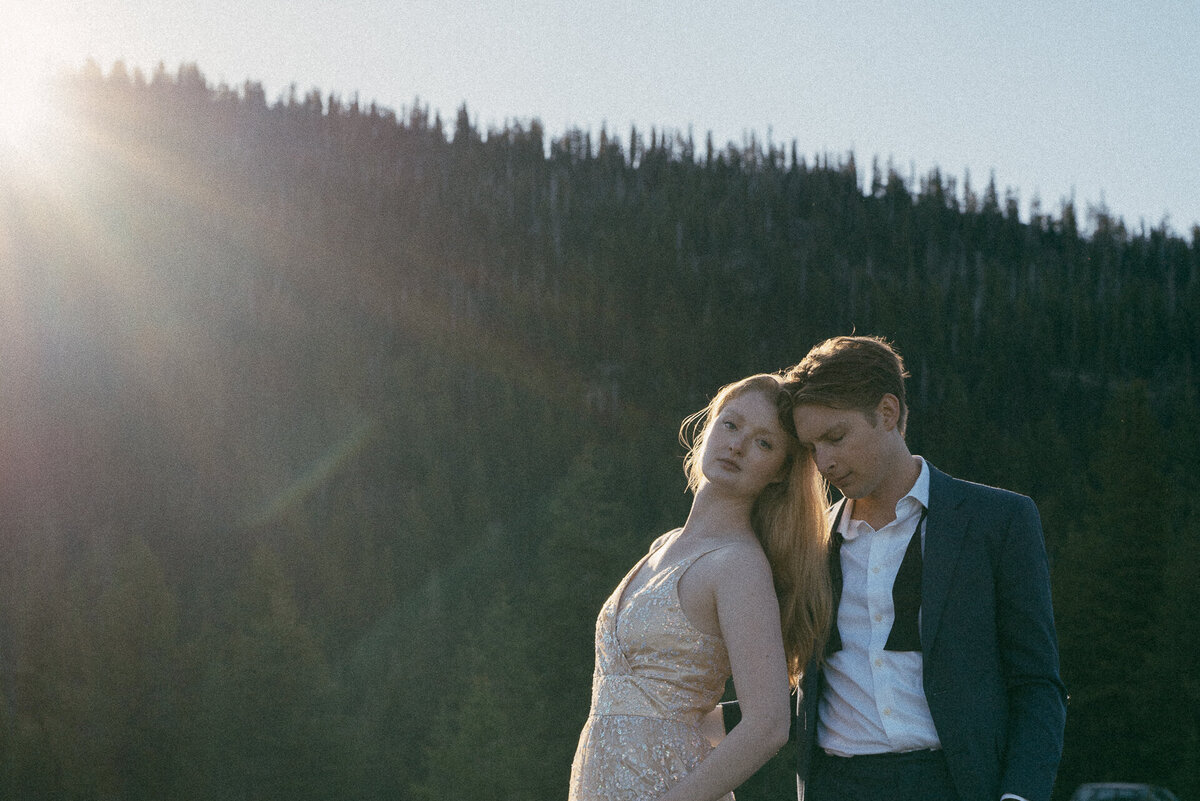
<point x="650" y="659"/>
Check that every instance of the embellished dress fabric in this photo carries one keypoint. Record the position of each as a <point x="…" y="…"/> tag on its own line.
<point x="656" y="677"/>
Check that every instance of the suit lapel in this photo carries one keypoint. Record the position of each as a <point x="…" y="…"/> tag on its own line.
<point x="947" y="521"/>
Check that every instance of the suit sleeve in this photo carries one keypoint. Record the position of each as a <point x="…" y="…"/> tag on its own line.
<point x="1029" y="656"/>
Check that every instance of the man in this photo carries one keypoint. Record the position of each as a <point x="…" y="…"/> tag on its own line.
<point x="940" y="678"/>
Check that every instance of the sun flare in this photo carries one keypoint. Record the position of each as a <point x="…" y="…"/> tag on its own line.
<point x="27" y="109"/>
<point x="33" y="40"/>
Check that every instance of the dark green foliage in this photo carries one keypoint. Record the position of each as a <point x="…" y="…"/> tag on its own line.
<point x="266" y="721"/>
<point x="323" y="436"/>
<point x="1110" y="584"/>
<point x="586" y="534"/>
<point x="489" y="740"/>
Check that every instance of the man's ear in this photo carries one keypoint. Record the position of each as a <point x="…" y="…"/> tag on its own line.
<point x="888" y="411"/>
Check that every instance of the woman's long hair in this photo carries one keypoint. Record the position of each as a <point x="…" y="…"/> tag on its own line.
<point x="788" y="518"/>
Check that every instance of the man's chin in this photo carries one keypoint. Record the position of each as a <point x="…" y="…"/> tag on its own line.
<point x="853" y="493"/>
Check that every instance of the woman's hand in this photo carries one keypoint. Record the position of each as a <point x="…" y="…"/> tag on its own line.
<point x="712" y="726"/>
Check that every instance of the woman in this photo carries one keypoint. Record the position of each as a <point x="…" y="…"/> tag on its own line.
<point x="742" y="588"/>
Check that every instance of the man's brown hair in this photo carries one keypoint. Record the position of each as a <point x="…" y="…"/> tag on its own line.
<point x="849" y="373"/>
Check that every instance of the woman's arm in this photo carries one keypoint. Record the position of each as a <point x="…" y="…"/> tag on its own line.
<point x="747" y="613"/>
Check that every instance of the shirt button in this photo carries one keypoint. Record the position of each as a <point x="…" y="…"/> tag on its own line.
<point x="888" y="711"/>
<point x="874" y="570"/>
<point x="878" y="663"/>
<point x="879" y="618"/>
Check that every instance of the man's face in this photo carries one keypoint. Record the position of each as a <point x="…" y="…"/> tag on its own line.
<point x="848" y="446"/>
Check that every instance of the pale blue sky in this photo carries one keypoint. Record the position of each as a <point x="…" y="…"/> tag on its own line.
<point x="1099" y="100"/>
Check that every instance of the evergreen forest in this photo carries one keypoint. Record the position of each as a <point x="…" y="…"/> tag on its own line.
<point x="325" y="429"/>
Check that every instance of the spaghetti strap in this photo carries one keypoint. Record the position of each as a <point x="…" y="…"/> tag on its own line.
<point x="687" y="562"/>
<point x="720" y="547"/>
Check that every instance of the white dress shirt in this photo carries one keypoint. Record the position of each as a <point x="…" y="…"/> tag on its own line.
<point x="873" y="701"/>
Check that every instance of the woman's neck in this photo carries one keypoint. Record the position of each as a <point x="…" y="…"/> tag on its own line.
<point x="716" y="514"/>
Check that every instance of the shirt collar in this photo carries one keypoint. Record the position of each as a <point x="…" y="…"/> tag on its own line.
<point x="920" y="487"/>
<point x="916" y="498"/>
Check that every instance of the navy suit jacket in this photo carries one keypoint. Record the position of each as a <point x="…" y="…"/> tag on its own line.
<point x="987" y="636"/>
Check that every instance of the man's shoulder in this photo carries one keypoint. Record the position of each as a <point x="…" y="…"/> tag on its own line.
<point x="963" y="491"/>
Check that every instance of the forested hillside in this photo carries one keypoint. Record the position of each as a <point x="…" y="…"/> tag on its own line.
<point x="325" y="430"/>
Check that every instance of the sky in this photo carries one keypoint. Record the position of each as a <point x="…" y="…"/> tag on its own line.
<point x="1093" y="101"/>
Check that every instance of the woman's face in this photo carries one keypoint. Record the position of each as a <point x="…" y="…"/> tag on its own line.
<point x="746" y="447"/>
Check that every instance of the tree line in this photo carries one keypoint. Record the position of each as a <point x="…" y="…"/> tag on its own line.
<point x="327" y="429"/>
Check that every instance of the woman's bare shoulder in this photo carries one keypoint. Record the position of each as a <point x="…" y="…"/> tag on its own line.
<point x="738" y="555"/>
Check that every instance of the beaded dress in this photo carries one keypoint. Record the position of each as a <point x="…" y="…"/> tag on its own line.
<point x="656" y="676"/>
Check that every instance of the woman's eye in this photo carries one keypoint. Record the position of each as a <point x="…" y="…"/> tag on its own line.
<point x="765" y="444"/>
<point x="729" y="426"/>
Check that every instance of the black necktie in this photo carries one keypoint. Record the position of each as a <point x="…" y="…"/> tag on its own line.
<point x="906" y="592"/>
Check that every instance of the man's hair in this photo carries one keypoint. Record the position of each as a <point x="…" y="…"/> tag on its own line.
<point x="849" y="373"/>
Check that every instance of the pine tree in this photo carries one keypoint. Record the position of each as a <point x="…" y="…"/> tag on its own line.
<point x="488" y="742"/>
<point x="1109" y="593"/>
<point x="135" y="714"/>
<point x="588" y="540"/>
<point x="267" y="723"/>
